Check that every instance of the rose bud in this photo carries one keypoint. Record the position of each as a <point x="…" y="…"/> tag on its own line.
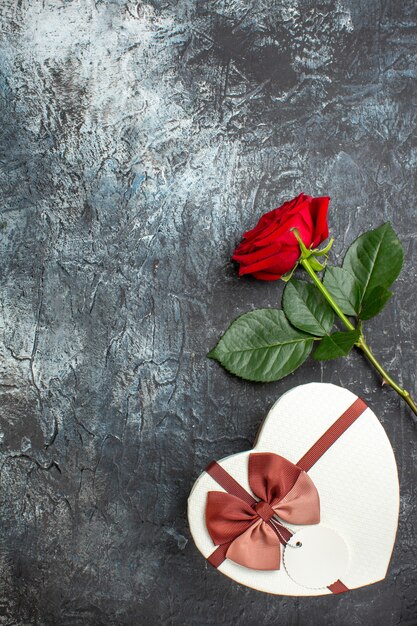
<point x="271" y="249"/>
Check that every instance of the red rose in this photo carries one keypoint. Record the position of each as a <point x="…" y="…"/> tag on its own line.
<point x="271" y="249"/>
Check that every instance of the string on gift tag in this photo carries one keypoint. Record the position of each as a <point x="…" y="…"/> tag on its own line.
<point x="277" y="523"/>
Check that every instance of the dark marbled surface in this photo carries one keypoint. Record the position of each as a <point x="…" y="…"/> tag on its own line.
<point x="138" y="142"/>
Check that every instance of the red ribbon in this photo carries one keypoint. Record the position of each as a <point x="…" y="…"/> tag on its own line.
<point x="250" y="529"/>
<point x="253" y="518"/>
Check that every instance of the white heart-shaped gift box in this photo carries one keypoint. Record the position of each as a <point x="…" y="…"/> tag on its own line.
<point x="356" y="478"/>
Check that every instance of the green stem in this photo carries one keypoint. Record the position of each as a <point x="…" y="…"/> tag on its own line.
<point x="316" y="280"/>
<point x="361" y="344"/>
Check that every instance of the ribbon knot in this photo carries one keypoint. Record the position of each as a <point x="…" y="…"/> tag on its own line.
<point x="283" y="489"/>
<point x="264" y="510"/>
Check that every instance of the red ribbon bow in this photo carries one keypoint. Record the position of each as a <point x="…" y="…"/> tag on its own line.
<point x="284" y="490"/>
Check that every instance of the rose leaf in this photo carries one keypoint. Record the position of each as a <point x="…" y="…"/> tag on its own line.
<point x="262" y="346"/>
<point x="336" y="344"/>
<point x="374" y="302"/>
<point x="344" y="288"/>
<point x="375" y="259"/>
<point x="306" y="308"/>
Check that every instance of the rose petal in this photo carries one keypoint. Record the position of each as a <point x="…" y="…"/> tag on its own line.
<point x="274" y="265"/>
<point x="319" y="209"/>
<point x="266" y="276"/>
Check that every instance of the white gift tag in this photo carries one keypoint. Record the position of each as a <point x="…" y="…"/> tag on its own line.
<point x="316" y="557"/>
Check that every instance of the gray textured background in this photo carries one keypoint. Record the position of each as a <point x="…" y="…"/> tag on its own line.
<point x="138" y="142"/>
